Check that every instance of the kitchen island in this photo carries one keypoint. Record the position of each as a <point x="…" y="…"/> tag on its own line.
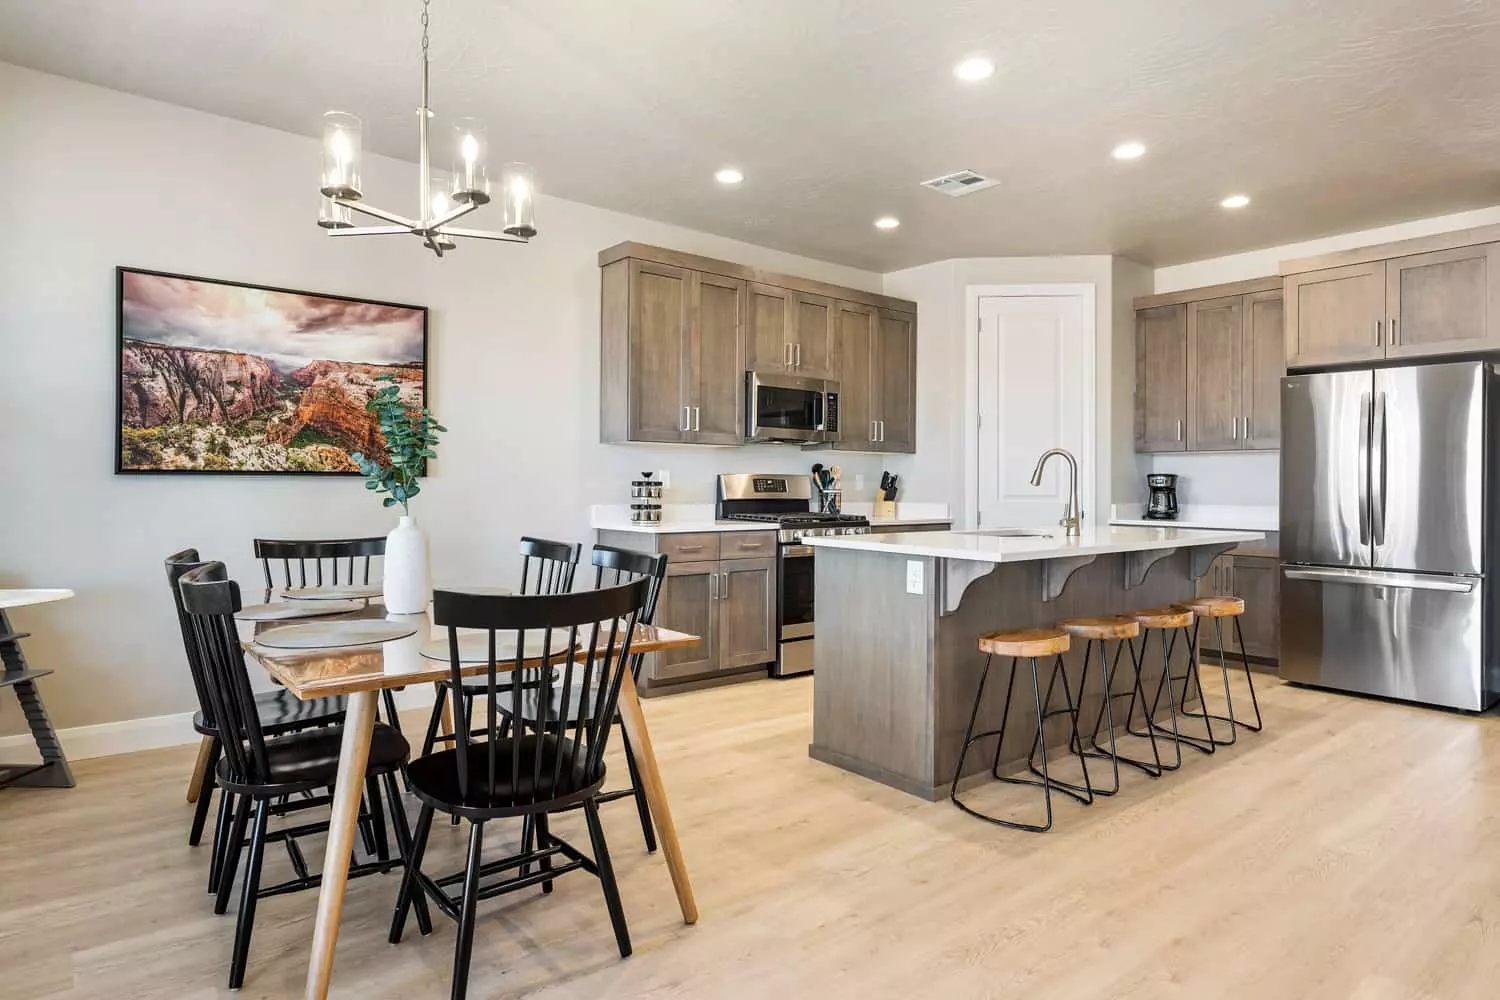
<point x="900" y="615"/>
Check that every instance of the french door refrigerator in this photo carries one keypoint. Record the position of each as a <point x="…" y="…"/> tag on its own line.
<point x="1386" y="483"/>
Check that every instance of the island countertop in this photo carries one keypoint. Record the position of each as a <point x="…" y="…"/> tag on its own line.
<point x="1014" y="545"/>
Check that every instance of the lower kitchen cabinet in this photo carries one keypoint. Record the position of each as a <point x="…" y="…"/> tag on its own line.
<point x="724" y="591"/>
<point x="1256" y="580"/>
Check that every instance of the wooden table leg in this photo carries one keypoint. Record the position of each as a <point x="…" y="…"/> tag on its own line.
<point x="205" y="748"/>
<point x="634" y="721"/>
<point x="448" y="699"/>
<point x="349" y="786"/>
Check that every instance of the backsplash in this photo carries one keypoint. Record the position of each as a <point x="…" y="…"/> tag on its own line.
<point x="1251" y="479"/>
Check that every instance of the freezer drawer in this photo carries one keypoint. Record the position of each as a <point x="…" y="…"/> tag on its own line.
<point x="1397" y="635"/>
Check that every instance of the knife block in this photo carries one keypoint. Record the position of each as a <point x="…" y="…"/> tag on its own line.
<point x="885" y="508"/>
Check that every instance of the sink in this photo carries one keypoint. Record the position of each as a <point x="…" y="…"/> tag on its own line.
<point x="1007" y="533"/>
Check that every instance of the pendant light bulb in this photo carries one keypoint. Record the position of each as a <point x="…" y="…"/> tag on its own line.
<point x="470" y="149"/>
<point x="520" y="200"/>
<point x="341" y="155"/>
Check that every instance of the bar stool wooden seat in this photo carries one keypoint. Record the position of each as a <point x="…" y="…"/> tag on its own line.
<point x="1217" y="609"/>
<point x="1100" y="631"/>
<point x="1174" y="620"/>
<point x="1029" y="644"/>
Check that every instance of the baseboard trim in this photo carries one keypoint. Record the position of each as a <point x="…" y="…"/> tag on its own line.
<point x="106" y="739"/>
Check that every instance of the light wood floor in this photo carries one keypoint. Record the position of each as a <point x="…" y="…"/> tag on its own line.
<point x="1351" y="851"/>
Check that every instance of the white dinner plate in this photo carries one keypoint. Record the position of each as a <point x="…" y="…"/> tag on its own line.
<point x="474" y="647"/>
<point x="287" y="610"/>
<point x="347" y="592"/>
<point x="334" y="634"/>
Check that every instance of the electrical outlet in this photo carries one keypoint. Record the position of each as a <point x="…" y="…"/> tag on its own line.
<point x="913" y="576"/>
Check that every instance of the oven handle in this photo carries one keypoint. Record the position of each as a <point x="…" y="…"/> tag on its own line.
<point x="796" y="551"/>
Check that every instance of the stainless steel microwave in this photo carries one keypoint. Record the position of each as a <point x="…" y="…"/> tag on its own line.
<point x="790" y="408"/>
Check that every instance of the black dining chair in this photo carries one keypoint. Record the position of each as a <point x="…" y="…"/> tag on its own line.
<point x="613" y="567"/>
<point x="259" y="770"/>
<point x="547" y="567"/>
<point x="302" y="563"/>
<point x="573" y="642"/>
<point x="279" y="712"/>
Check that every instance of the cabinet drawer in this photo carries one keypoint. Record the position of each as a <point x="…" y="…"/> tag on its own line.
<point x="747" y="544"/>
<point x="690" y="547"/>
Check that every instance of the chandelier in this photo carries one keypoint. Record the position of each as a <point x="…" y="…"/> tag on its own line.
<point x="468" y="189"/>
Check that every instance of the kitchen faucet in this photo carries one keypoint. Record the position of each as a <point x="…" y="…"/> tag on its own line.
<point x="1072" y="517"/>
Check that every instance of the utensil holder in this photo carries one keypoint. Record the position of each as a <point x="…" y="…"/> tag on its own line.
<point x="832" y="501"/>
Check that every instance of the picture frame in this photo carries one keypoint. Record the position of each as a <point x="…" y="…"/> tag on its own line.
<point x="221" y="377"/>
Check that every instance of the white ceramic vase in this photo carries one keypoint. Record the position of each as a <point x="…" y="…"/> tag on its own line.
<point x="406" y="581"/>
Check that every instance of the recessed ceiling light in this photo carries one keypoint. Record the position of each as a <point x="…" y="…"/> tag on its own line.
<point x="728" y="175"/>
<point x="887" y="222"/>
<point x="1236" y="201"/>
<point x="1128" y="151"/>
<point x="975" y="69"/>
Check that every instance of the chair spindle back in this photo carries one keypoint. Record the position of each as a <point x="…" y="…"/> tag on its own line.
<point x="347" y="561"/>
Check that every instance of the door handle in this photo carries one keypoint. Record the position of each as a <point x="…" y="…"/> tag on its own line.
<point x="1395" y="336"/>
<point x="1364" y="468"/>
<point x="1377" y="486"/>
<point x="697" y="414"/>
<point x="1234" y="428"/>
<point x="797" y="355"/>
<point x="713" y="586"/>
<point x="873" y="438"/>
<point x="1247" y="430"/>
<point x="882" y="432"/>
<point x="1367" y="578"/>
<point x="1379" y="326"/>
<point x="1179" y="430"/>
<point x="786" y="355"/>
<point x="687" y="419"/>
<point x="724" y="590"/>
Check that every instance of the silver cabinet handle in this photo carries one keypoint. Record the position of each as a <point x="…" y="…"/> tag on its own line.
<point x="1247" y="428"/>
<point x="1179" y="430"/>
<point x="786" y="355"/>
<point x="689" y="548"/>
<point x="1372" y="578"/>
<point x="713" y="586"/>
<point x="796" y="355"/>
<point x="1395" y="337"/>
<point x="873" y="438"/>
<point x="882" y="432"/>
<point x="687" y="419"/>
<point x="751" y="545"/>
<point x="724" y="590"/>
<point x="697" y="414"/>
<point x="1234" y="428"/>
<point x="1379" y="326"/>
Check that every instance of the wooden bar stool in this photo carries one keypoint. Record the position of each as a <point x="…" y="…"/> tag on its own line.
<point x="1219" y="608"/>
<point x="1176" y="621"/>
<point x="1029" y="644"/>
<point x="1100" y="631"/>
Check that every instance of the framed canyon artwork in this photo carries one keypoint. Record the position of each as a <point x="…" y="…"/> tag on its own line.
<point x="222" y="377"/>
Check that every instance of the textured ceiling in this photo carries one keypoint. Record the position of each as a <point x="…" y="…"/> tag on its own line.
<point x="1332" y="114"/>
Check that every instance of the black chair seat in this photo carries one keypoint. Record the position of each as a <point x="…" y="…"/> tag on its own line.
<point x="434" y="778"/>
<point x="281" y="711"/>
<point x="310" y="759"/>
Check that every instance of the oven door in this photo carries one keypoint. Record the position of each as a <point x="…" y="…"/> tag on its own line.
<point x="784" y="408"/>
<point x="794" y="615"/>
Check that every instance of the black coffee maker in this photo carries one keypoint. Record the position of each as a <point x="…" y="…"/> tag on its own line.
<point x="1162" y="505"/>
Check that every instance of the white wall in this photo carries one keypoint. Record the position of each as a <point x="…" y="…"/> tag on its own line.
<point x="1253" y="479"/>
<point x="939" y="291"/>
<point x="92" y="179"/>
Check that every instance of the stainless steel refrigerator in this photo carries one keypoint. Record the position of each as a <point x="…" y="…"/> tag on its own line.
<point x="1386" y="487"/>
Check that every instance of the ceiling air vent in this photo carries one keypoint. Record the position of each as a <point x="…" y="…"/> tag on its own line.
<point x="960" y="183"/>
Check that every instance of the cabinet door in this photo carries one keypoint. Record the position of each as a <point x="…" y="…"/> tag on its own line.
<point x="1259" y="583"/>
<point x="687" y="604"/>
<point x="1161" y="379"/>
<point x="1444" y="302"/>
<point x="812" y="335"/>
<point x="767" y="339"/>
<point x="747" y="612"/>
<point x="1336" y="315"/>
<point x="659" y="296"/>
<point x="1215" y="333"/>
<point x="854" y="342"/>
<point x="717" y="384"/>
<point x="1264" y="362"/>
<point x="894" y="367"/>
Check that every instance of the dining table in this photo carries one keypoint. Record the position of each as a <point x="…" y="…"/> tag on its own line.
<point x="361" y="674"/>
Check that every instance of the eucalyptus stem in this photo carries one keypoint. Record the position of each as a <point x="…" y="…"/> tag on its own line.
<point x="411" y="438"/>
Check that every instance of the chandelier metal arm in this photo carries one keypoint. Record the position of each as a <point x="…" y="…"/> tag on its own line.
<point x="371" y="231"/>
<point x="485" y="234"/>
<point x="456" y="212"/>
<point x="379" y="213"/>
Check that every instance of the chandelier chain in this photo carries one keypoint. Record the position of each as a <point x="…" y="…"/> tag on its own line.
<point x="425" y="5"/>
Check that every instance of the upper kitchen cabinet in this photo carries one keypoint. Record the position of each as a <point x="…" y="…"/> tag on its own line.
<point x="875" y="365"/>
<point x="1425" y="297"/>
<point x="670" y="355"/>
<point x="678" y="332"/>
<point x="1444" y="302"/>
<point x="1336" y="316"/>
<point x="1161" y="378"/>
<point x="1208" y="368"/>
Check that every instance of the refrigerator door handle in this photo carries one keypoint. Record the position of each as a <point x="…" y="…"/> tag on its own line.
<point x="1364" y="469"/>
<point x="1378" y="480"/>
<point x="1366" y="578"/>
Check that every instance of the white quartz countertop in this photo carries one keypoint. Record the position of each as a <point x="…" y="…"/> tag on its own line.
<point x="25" y="598"/>
<point x="1234" y="518"/>
<point x="988" y="545"/>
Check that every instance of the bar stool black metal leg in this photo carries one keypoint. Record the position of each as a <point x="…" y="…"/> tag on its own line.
<point x="1207" y="717"/>
<point x="1204" y="745"/>
<point x="1105" y="710"/>
<point x="970" y="737"/>
<point x="1239" y="637"/>
<point x="1148" y="709"/>
<point x="1083" y="793"/>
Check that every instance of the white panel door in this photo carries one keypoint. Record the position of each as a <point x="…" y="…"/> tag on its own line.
<point x="1033" y="395"/>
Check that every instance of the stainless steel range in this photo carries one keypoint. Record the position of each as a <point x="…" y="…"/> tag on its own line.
<point x="785" y="501"/>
